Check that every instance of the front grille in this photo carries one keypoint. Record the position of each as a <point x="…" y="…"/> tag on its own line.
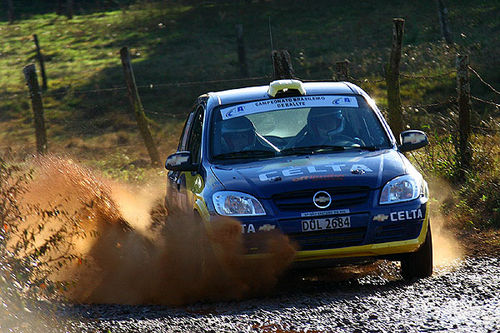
<point x="328" y="239"/>
<point x="396" y="232"/>
<point x="303" y="200"/>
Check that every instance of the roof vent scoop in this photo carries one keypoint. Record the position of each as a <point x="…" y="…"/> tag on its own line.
<point x="284" y="86"/>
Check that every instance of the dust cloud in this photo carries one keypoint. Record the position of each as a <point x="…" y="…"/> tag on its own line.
<point x="126" y="248"/>
<point x="447" y="249"/>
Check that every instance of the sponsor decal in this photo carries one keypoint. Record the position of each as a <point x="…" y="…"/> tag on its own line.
<point x="250" y="228"/>
<point x="287" y="103"/>
<point x="312" y="170"/>
<point x="326" y="212"/>
<point x="234" y="112"/>
<point x="380" y="217"/>
<point x="359" y="169"/>
<point x="247" y="228"/>
<point x="267" y="227"/>
<point x="405" y="215"/>
<point x="316" y="178"/>
<point x="345" y="101"/>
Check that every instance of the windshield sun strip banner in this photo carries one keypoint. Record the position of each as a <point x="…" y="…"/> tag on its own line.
<point x="287" y="103"/>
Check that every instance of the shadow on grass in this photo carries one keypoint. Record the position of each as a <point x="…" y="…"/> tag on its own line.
<point x="188" y="41"/>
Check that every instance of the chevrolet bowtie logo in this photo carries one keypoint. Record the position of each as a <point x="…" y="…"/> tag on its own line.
<point x="322" y="199"/>
<point x="380" y="217"/>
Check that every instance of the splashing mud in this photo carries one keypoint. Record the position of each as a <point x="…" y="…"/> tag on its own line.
<point x="122" y="246"/>
<point x="126" y="248"/>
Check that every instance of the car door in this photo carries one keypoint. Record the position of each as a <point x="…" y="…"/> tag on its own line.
<point x="183" y="183"/>
<point x="174" y="198"/>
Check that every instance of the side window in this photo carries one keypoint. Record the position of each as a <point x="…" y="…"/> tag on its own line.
<point x="194" y="144"/>
<point x="185" y="132"/>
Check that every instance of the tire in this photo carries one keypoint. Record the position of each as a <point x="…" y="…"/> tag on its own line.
<point x="419" y="264"/>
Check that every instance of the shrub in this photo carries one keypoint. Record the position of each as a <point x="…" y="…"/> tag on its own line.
<point x="476" y="192"/>
<point x="35" y="241"/>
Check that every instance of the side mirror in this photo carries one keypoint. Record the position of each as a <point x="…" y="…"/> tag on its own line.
<point x="180" y="161"/>
<point x="412" y="139"/>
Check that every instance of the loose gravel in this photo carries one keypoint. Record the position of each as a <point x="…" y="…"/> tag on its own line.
<point x="463" y="298"/>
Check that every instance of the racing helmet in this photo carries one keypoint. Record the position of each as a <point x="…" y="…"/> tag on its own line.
<point x="238" y="133"/>
<point x="325" y="122"/>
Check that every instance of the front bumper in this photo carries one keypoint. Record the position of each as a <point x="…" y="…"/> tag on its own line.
<point x="403" y="230"/>
<point x="368" y="250"/>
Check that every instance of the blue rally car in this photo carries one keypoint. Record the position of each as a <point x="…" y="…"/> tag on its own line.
<point x="316" y="161"/>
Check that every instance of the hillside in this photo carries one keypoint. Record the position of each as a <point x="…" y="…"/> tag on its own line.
<point x="181" y="49"/>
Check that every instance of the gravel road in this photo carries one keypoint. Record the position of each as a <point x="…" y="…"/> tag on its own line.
<point x="462" y="298"/>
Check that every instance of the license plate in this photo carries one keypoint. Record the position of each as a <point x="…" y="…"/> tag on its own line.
<point x="338" y="222"/>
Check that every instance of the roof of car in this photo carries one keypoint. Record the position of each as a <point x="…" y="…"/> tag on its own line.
<point x="261" y="92"/>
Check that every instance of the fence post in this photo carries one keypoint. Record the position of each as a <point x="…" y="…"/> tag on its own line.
<point x="69" y="9"/>
<point x="443" y="21"/>
<point x="282" y="65"/>
<point x="464" y="110"/>
<point x="242" y="58"/>
<point x="342" y="70"/>
<point x="10" y="11"/>
<point x="37" y="106"/>
<point x="59" y="8"/>
<point x="392" y="78"/>
<point x="41" y="62"/>
<point x="135" y="102"/>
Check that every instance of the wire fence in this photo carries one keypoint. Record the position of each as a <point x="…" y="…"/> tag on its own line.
<point x="484" y="82"/>
<point x="450" y="101"/>
<point x="427" y="77"/>
<point x="152" y="86"/>
<point x="485" y="101"/>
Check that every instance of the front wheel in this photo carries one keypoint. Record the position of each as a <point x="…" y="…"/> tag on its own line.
<point x="419" y="264"/>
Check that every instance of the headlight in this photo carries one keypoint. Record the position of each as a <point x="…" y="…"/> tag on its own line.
<point x="403" y="188"/>
<point x="237" y="204"/>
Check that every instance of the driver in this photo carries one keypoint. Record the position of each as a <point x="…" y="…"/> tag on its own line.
<point x="238" y="134"/>
<point x="324" y="126"/>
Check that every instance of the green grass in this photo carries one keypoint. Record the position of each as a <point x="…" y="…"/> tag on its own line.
<point x="87" y="111"/>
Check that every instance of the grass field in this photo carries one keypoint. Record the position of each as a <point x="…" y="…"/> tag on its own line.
<point x="181" y="49"/>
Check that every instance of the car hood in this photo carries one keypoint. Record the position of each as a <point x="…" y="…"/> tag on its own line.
<point x="267" y="177"/>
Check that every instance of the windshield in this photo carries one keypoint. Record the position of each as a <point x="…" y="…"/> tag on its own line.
<point x="283" y="127"/>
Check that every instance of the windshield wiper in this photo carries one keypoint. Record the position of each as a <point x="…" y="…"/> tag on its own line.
<point x="312" y="149"/>
<point x="245" y="154"/>
<point x="369" y="148"/>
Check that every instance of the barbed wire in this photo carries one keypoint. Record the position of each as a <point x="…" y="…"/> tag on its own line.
<point x="148" y="86"/>
<point x="426" y="77"/>
<point x="168" y="115"/>
<point x="485" y="101"/>
<point x="405" y="76"/>
<point x="365" y="80"/>
<point x="484" y="82"/>
<point x="451" y="100"/>
<point x="193" y="83"/>
<point x="69" y="90"/>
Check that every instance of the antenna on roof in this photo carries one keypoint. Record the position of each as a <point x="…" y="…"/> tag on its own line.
<point x="271" y="34"/>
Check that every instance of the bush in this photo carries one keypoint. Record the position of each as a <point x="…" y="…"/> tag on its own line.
<point x="475" y="192"/>
<point x="35" y="241"/>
